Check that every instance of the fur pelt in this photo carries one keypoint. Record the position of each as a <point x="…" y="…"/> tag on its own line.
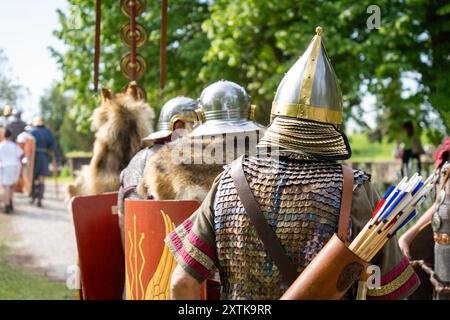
<point x="121" y="122"/>
<point x="184" y="169"/>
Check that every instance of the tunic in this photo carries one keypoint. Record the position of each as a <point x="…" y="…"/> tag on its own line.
<point x="45" y="143"/>
<point x="10" y="164"/>
<point x="300" y="198"/>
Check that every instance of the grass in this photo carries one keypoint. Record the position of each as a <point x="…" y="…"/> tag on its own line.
<point x="365" y="151"/>
<point x="19" y="284"/>
<point x="78" y="154"/>
<point x="60" y="179"/>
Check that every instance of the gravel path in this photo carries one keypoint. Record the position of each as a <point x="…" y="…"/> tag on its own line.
<point x="42" y="239"/>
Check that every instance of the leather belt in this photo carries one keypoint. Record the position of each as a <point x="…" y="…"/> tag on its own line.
<point x="442" y="238"/>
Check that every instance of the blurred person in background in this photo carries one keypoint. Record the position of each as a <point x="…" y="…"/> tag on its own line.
<point x="45" y="148"/>
<point x="7" y="113"/>
<point x="412" y="147"/>
<point x="438" y="215"/>
<point x="10" y="164"/>
<point x="15" y="124"/>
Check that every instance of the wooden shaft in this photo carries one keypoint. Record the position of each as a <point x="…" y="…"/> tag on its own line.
<point x="359" y="239"/>
<point x="368" y="237"/>
<point x="98" y="17"/>
<point x="374" y="245"/>
<point x="133" y="75"/>
<point x="163" y="48"/>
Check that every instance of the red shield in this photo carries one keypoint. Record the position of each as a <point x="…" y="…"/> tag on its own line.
<point x="25" y="183"/>
<point x="149" y="263"/>
<point x="99" y="245"/>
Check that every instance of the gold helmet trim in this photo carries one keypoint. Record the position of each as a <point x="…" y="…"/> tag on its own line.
<point x="191" y="116"/>
<point x="304" y="103"/>
<point x="306" y="112"/>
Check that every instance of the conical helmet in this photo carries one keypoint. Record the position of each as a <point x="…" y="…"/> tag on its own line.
<point x="179" y="108"/>
<point x="308" y="107"/>
<point x="310" y="89"/>
<point x="226" y="108"/>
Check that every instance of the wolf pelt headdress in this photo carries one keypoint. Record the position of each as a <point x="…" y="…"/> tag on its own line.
<point x="121" y="122"/>
<point x="177" y="172"/>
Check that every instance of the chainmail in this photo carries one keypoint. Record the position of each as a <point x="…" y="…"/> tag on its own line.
<point x="442" y="251"/>
<point x="310" y="137"/>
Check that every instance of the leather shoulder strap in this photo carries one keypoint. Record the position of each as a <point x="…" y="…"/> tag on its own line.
<point x="346" y="202"/>
<point x="264" y="231"/>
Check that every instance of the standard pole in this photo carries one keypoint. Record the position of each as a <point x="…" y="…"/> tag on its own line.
<point x="133" y="39"/>
<point x="163" y="48"/>
<point x="98" y="17"/>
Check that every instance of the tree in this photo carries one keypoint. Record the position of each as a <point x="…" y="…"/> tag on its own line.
<point x="185" y="48"/>
<point x="10" y="91"/>
<point x="56" y="111"/>
<point x="255" y="42"/>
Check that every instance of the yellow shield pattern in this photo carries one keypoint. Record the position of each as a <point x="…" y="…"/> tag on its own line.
<point x="149" y="263"/>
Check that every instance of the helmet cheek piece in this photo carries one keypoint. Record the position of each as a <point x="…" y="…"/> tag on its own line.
<point x="251" y="112"/>
<point x="192" y="116"/>
<point x="199" y="115"/>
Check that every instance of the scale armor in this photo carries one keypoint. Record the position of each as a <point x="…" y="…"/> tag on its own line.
<point x="300" y="198"/>
<point x="441" y="225"/>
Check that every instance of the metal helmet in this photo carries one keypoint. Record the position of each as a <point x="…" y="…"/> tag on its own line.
<point x="226" y="108"/>
<point x="308" y="107"/>
<point x="179" y="108"/>
<point x="38" y="121"/>
<point x="310" y="90"/>
<point x="7" y="110"/>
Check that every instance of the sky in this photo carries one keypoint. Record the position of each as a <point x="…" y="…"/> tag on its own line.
<point x="25" y="34"/>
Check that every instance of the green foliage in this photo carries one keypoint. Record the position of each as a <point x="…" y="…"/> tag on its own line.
<point x="55" y="109"/>
<point x="65" y="172"/>
<point x="185" y="48"/>
<point x="10" y="91"/>
<point x="365" y="151"/>
<point x="255" y="42"/>
<point x="71" y="139"/>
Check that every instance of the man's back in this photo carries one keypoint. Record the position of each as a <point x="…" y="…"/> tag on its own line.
<point x="44" y="138"/>
<point x="300" y="198"/>
<point x="16" y="126"/>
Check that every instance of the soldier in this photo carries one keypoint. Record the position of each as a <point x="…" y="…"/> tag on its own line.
<point x="439" y="217"/>
<point x="185" y="169"/>
<point x="297" y="184"/>
<point x="6" y="117"/>
<point x="16" y="125"/>
<point x="45" y="148"/>
<point x="176" y="114"/>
